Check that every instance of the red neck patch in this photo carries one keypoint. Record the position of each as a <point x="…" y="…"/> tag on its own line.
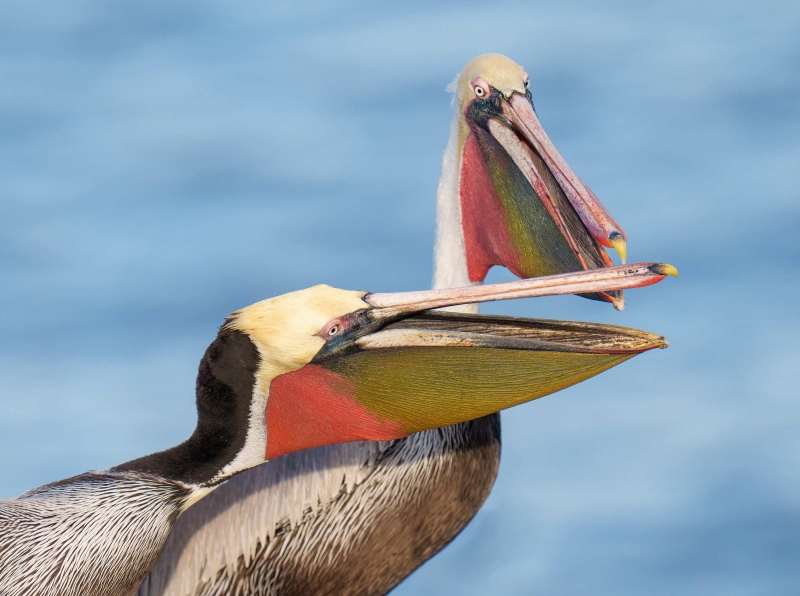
<point x="486" y="237"/>
<point x="312" y="406"/>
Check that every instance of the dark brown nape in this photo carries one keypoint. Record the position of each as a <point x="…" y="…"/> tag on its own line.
<point x="225" y="382"/>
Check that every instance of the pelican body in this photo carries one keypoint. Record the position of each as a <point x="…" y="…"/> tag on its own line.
<point x="357" y="518"/>
<point x="310" y="368"/>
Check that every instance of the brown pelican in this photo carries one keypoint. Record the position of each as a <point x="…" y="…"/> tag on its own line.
<point x="310" y="522"/>
<point x="309" y="368"/>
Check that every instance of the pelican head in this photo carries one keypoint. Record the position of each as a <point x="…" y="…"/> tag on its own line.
<point x="337" y="365"/>
<point x="521" y="205"/>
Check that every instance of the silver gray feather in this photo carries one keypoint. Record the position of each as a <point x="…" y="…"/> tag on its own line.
<point x="95" y="534"/>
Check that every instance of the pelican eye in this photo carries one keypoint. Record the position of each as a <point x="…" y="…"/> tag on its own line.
<point x="479" y="91"/>
<point x="527" y="83"/>
<point x="333" y="330"/>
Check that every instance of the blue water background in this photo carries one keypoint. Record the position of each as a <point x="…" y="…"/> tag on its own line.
<point x="164" y="163"/>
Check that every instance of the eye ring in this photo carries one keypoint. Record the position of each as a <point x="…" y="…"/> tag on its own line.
<point x="333" y="330"/>
<point x="479" y="91"/>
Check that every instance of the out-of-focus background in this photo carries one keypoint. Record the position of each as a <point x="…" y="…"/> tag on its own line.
<point x="162" y="164"/>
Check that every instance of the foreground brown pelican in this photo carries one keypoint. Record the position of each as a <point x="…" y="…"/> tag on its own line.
<point x="358" y="518"/>
<point x="309" y="368"/>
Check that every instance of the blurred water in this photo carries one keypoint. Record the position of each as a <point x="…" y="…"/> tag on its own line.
<point x="162" y="165"/>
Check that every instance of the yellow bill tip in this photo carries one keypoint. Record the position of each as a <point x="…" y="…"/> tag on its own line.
<point x="665" y="269"/>
<point x="619" y="244"/>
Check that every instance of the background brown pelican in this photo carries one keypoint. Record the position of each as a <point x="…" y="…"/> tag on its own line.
<point x="308" y="368"/>
<point x="506" y="197"/>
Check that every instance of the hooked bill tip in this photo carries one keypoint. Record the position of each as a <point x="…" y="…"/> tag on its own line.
<point x="618" y="242"/>
<point x="664" y="269"/>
